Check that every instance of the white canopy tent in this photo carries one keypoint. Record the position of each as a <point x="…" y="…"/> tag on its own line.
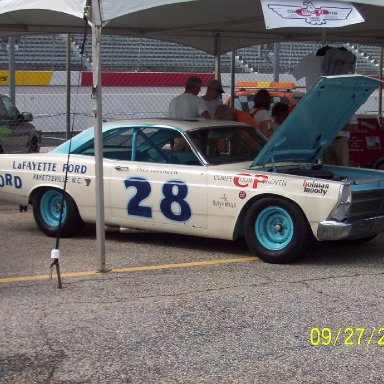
<point x="214" y="26"/>
<point x="239" y="23"/>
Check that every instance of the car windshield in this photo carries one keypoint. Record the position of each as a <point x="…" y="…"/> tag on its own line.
<point x="229" y="144"/>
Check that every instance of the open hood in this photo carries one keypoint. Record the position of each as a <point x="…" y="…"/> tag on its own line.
<point x="317" y="119"/>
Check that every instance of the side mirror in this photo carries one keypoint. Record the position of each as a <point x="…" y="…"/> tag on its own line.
<point x="27" y="116"/>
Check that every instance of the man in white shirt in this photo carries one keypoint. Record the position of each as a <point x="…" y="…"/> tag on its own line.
<point x="212" y="96"/>
<point x="188" y="105"/>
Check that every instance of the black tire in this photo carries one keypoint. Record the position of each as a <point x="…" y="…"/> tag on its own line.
<point x="276" y="230"/>
<point x="34" y="145"/>
<point x="46" y="211"/>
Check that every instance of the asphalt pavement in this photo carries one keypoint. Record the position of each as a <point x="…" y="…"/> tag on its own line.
<point x="179" y="309"/>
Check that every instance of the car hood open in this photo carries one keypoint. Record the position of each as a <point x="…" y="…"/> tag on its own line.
<point x="316" y="120"/>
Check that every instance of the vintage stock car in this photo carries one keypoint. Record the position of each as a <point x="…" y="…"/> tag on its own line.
<point x="216" y="179"/>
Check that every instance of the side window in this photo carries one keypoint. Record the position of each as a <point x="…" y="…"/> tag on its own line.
<point x="164" y="146"/>
<point x="117" y="144"/>
<point x="11" y="112"/>
<point x="145" y="144"/>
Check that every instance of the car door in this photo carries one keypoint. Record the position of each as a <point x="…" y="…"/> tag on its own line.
<point x="158" y="186"/>
<point x="14" y="137"/>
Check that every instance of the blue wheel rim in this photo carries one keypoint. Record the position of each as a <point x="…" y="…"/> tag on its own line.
<point x="274" y="228"/>
<point x="50" y="208"/>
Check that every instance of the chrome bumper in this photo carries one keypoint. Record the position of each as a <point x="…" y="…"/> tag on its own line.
<point x="353" y="229"/>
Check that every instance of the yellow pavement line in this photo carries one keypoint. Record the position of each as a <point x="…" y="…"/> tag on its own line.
<point x="131" y="269"/>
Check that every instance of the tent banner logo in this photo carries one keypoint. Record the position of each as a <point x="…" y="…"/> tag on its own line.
<point x="312" y="14"/>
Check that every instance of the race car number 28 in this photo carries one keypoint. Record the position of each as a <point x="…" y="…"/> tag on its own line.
<point x="173" y="204"/>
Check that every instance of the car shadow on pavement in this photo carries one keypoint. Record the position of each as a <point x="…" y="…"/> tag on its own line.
<point x="345" y="253"/>
<point x="320" y="253"/>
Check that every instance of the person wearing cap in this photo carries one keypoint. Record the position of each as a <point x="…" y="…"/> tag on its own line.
<point x="188" y="105"/>
<point x="212" y="96"/>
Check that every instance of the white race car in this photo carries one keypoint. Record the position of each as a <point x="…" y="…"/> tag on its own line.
<point x="216" y="179"/>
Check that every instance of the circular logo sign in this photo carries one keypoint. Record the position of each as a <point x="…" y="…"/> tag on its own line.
<point x="242" y="195"/>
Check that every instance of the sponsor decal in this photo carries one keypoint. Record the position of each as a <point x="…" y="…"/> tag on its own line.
<point x="367" y="125"/>
<point x="223" y="202"/>
<point x="245" y="180"/>
<point x="315" y="187"/>
<point x="222" y="178"/>
<point x="9" y="180"/>
<point x="27" y="77"/>
<point x="58" y="179"/>
<point x="309" y="13"/>
<point x="75" y="168"/>
<point x="46" y="166"/>
<point x="242" y="195"/>
<point x="157" y="170"/>
<point x="35" y="166"/>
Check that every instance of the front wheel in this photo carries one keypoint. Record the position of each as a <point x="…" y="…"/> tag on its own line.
<point x="47" y="206"/>
<point x="276" y="230"/>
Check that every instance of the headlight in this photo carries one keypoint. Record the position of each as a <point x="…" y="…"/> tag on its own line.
<point x="343" y="206"/>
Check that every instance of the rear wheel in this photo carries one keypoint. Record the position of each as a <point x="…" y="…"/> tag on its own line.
<point x="47" y="206"/>
<point x="276" y="230"/>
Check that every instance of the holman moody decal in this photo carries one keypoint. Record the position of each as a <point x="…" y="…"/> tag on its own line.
<point x="315" y="187"/>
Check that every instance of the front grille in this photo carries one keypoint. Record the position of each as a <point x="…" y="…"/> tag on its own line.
<point x="367" y="203"/>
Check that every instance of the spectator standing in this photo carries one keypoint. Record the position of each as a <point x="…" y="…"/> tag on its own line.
<point x="260" y="112"/>
<point x="188" y="105"/>
<point x="280" y="112"/>
<point x="212" y="96"/>
<point x="223" y="112"/>
<point x="338" y="151"/>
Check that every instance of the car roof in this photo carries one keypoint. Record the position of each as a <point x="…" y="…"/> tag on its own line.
<point x="181" y="125"/>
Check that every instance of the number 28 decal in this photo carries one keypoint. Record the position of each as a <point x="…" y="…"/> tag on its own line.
<point x="173" y="204"/>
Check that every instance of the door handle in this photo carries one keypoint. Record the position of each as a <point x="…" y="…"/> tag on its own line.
<point x="119" y="168"/>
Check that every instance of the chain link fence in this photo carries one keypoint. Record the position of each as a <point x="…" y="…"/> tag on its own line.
<point x="140" y="76"/>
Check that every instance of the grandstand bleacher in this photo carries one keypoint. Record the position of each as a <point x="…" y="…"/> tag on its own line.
<point x="121" y="53"/>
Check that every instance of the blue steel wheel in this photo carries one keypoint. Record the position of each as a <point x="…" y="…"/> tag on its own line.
<point x="276" y="230"/>
<point x="50" y="208"/>
<point x="46" y="210"/>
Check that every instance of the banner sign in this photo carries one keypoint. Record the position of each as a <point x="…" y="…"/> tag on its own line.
<point x="311" y="14"/>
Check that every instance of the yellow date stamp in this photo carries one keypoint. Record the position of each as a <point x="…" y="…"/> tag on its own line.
<point x="349" y="336"/>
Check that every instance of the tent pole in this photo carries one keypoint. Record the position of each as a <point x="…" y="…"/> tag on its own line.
<point x="97" y="111"/>
<point x="380" y="107"/>
<point x="217" y="57"/>
<point x="233" y="70"/>
<point x="11" y="78"/>
<point x="68" y="88"/>
<point x="276" y="62"/>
